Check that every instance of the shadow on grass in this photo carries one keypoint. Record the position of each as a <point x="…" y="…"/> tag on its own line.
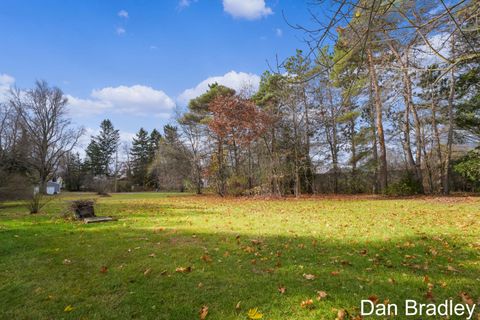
<point x="45" y="267"/>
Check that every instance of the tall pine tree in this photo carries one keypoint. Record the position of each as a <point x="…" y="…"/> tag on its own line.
<point x="140" y="157"/>
<point x="102" y="148"/>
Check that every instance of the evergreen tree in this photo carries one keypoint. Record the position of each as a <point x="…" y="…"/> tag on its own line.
<point x="92" y="162"/>
<point x="140" y="157"/>
<point x="171" y="163"/>
<point x="102" y="149"/>
<point x="154" y="143"/>
<point x="73" y="175"/>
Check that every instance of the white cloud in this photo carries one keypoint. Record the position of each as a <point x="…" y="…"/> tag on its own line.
<point x="86" y="107"/>
<point x="123" y="14"/>
<point x="279" y="32"/>
<point x="6" y="82"/>
<point x="136" y="100"/>
<point x="185" y="3"/>
<point x="232" y="79"/>
<point x="425" y="56"/>
<point x="120" y="31"/>
<point x="247" y="9"/>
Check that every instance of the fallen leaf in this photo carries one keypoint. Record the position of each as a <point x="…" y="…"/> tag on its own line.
<point x="157" y="230"/>
<point x="203" y="312"/>
<point x="309" y="276"/>
<point x="450" y="268"/>
<point x="68" y="308"/>
<point x="466" y="298"/>
<point x="426" y="279"/>
<point x="341" y="314"/>
<point x="103" y="269"/>
<point x="335" y="273"/>
<point x="183" y="269"/>
<point x="429" y="295"/>
<point x="152" y="255"/>
<point x="147" y="272"/>
<point x="307" y="304"/>
<point x="321" y="295"/>
<point x="249" y="249"/>
<point x="237" y="307"/>
<point x="373" y="298"/>
<point x="254" y="314"/>
<point x="206" y="258"/>
<point x="67" y="261"/>
<point x="282" y="289"/>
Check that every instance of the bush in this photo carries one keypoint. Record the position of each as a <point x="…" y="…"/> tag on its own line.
<point x="14" y="187"/>
<point x="102" y="185"/>
<point x="407" y="186"/>
<point x="237" y="185"/>
<point x="36" y="203"/>
<point x="469" y="166"/>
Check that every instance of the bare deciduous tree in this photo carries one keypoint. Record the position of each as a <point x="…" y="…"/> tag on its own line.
<point x="43" y="114"/>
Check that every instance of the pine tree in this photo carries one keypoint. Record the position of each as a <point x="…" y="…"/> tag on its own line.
<point x="92" y="162"/>
<point x="154" y="143"/>
<point x="140" y="157"/>
<point x="102" y="149"/>
<point x="73" y="175"/>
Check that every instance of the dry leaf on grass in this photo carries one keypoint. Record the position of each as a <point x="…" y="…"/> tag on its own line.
<point x="68" y="308"/>
<point x="373" y="298"/>
<point x="183" y="269"/>
<point x="254" y="314"/>
<point x="321" y="295"/>
<point x="466" y="298"/>
<point x="206" y="258"/>
<point x="309" y="276"/>
<point x="307" y="304"/>
<point x="203" y="313"/>
<point x="341" y="314"/>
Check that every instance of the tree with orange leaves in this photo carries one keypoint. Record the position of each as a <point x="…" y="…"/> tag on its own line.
<point x="236" y="122"/>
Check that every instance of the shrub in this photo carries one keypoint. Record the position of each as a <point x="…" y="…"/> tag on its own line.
<point x="237" y="185"/>
<point x="407" y="186"/>
<point x="469" y="166"/>
<point x="36" y="202"/>
<point x="102" y="185"/>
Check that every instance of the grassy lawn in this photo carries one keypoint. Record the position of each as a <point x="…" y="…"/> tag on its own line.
<point x="240" y="252"/>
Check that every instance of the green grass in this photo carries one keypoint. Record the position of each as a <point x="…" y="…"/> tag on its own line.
<point x="381" y="247"/>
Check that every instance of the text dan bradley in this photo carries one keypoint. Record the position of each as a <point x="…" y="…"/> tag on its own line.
<point x="448" y="308"/>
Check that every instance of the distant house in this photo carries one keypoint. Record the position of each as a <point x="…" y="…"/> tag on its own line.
<point x="53" y="187"/>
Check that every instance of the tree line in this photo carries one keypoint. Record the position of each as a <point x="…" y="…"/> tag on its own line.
<point x="385" y="100"/>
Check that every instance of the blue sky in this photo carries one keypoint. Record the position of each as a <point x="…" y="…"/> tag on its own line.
<point x="132" y="60"/>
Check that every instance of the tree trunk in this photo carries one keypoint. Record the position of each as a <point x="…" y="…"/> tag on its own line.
<point x="221" y="170"/>
<point x="438" y="148"/>
<point x="354" y="156"/>
<point x="371" y="113"/>
<point x="379" y="124"/>
<point x="451" y="96"/>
